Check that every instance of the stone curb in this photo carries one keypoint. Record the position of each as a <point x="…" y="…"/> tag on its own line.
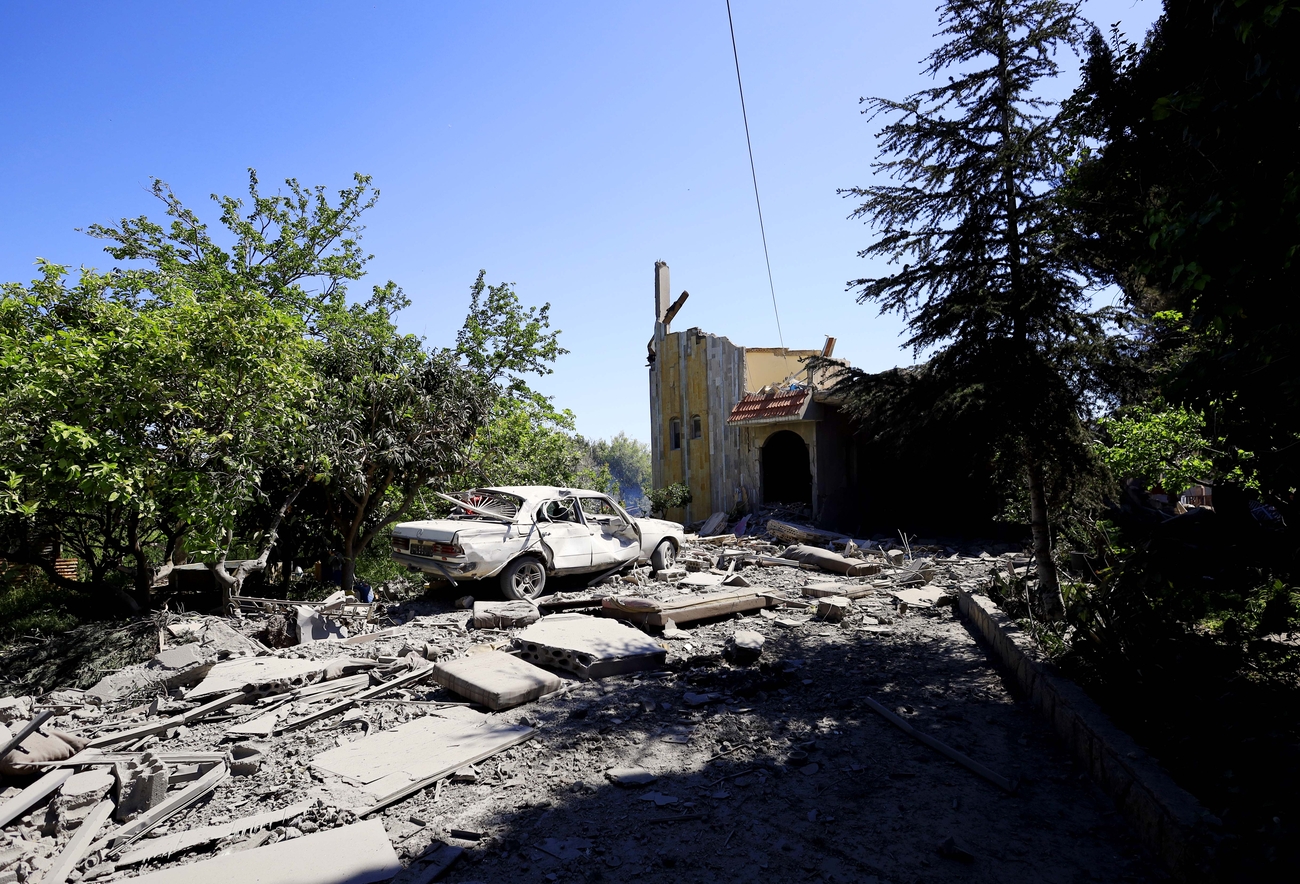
<point x="1168" y="819"/>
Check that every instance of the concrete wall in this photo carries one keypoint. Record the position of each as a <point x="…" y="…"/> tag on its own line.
<point x="1167" y="818"/>
<point x="772" y="365"/>
<point x="752" y="438"/>
<point x="697" y="374"/>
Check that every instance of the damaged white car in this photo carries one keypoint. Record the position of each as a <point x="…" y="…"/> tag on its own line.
<point x="523" y="533"/>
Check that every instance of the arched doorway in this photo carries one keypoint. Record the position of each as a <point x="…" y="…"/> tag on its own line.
<point x="786" y="474"/>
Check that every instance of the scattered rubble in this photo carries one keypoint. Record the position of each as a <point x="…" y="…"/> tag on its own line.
<point x="358" y="755"/>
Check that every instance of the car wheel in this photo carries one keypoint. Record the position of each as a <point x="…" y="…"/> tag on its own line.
<point x="523" y="579"/>
<point x="664" y="556"/>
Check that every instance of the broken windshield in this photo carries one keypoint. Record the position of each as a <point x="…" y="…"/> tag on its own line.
<point x="496" y="502"/>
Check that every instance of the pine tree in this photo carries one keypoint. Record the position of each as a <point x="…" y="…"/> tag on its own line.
<point x="988" y="287"/>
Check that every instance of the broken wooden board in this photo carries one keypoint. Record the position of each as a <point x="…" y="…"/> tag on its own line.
<point x="233" y="675"/>
<point x="425" y="749"/>
<point x="178" y="842"/>
<point x="687" y="609"/>
<point x="496" y="679"/>
<point x="357" y="854"/>
<point x="848" y="590"/>
<point x="79" y="844"/>
<point x="712" y="525"/>
<point x="29" y="797"/>
<point x="592" y="647"/>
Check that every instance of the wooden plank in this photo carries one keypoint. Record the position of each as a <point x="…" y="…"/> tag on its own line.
<point x="939" y="746"/>
<point x="29" y="797"/>
<point x="847" y="590"/>
<point x="78" y="845"/>
<point x="177" y="842"/>
<point x="357" y="854"/>
<point x="343" y="705"/>
<point x="24" y="732"/>
<point x="690" y="609"/>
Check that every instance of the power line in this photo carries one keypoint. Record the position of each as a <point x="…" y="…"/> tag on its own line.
<point x="754" y="174"/>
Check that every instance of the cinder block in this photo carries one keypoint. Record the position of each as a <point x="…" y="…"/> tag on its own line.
<point x="592" y="647"/>
<point x="141" y="785"/>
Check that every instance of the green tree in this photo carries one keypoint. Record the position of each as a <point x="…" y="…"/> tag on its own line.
<point x="1189" y="198"/>
<point x="138" y="416"/>
<point x="972" y="210"/>
<point x="628" y="462"/>
<point x="394" y="417"/>
<point x="1165" y="445"/>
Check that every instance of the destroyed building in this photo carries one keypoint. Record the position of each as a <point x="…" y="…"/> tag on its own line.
<point x="745" y="426"/>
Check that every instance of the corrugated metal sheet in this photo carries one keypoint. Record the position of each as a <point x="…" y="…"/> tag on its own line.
<point x="777" y="405"/>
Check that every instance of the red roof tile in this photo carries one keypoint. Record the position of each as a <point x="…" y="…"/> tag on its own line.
<point x="777" y="405"/>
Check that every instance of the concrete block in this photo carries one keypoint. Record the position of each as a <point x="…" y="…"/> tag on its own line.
<point x="505" y="615"/>
<point x="745" y="647"/>
<point x="141" y="785"/>
<point x="833" y="608"/>
<point x="592" y="647"/>
<point x="84" y="789"/>
<point x="496" y="679"/>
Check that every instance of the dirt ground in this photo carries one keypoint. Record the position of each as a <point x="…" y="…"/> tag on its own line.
<point x="774" y="770"/>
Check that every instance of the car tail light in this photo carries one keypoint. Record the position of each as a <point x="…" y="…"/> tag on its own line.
<point x="434" y="548"/>
<point x="401" y="544"/>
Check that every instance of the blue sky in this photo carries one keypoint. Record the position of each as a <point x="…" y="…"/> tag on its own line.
<point x="564" y="147"/>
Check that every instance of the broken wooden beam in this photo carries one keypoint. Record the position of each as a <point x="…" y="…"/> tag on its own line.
<point x="29" y="797"/>
<point x="24" y="732"/>
<point x="78" y="845"/>
<point x="178" y="842"/>
<point x="343" y="705"/>
<point x="172" y="805"/>
<point x="939" y="746"/>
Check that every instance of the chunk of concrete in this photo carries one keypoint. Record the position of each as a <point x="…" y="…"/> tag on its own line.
<point x="745" y="647"/>
<point x="179" y="658"/>
<point x="833" y="608"/>
<point x="922" y="597"/>
<point x="15" y="709"/>
<point x="592" y="647"/>
<point x="630" y="776"/>
<point x="84" y="789"/>
<point x="141" y="785"/>
<point x="495" y="679"/>
<point x="505" y="615"/>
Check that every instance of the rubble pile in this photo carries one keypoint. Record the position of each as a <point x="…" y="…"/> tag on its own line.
<point x="386" y="746"/>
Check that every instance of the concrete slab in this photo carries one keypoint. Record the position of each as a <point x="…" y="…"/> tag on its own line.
<point x="589" y="646"/>
<point x="495" y="679"/>
<point x="357" y="854"/>
<point x="426" y="748"/>
<point x="922" y="597"/>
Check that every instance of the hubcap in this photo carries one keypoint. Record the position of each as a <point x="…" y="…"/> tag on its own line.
<point x="528" y="578"/>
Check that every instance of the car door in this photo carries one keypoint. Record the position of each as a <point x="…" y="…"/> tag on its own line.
<point x="564" y="531"/>
<point x="614" y="537"/>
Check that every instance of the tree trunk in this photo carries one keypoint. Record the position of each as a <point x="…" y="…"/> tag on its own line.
<point x="1049" y="588"/>
<point x="231" y="584"/>
<point x="349" y="575"/>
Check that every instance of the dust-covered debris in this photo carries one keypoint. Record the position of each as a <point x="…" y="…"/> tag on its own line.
<point x="754" y="727"/>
